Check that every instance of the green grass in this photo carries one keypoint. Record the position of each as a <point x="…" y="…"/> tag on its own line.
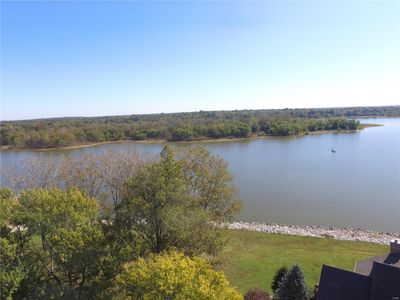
<point x="250" y="259"/>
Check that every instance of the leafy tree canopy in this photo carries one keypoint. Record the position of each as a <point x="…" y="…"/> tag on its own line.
<point x="173" y="276"/>
<point x="60" y="132"/>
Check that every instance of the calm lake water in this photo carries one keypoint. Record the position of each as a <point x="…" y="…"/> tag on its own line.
<point x="298" y="180"/>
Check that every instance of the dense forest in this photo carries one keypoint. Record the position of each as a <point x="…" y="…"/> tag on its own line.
<point x="61" y="132"/>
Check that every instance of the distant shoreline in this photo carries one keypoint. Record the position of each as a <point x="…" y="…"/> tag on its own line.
<point x="203" y="140"/>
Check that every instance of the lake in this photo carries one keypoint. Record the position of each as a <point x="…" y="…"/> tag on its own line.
<point x="298" y="180"/>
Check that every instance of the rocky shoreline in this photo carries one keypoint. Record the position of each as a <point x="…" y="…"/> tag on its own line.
<point x="337" y="233"/>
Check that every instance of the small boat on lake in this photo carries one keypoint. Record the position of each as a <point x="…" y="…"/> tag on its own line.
<point x="333" y="150"/>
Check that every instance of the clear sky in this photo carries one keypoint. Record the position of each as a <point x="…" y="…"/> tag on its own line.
<point x="108" y="58"/>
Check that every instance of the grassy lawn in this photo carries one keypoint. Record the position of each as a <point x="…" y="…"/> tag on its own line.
<point x="250" y="259"/>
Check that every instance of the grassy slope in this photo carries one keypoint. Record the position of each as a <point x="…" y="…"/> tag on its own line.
<point x="250" y="259"/>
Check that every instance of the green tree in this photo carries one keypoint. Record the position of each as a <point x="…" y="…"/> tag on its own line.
<point x="182" y="134"/>
<point x="151" y="194"/>
<point x="278" y="278"/>
<point x="157" y="207"/>
<point x="209" y="183"/>
<point x="94" y="134"/>
<point x="173" y="276"/>
<point x="9" y="136"/>
<point x="67" y="226"/>
<point x="243" y="130"/>
<point x="12" y="269"/>
<point x="292" y="286"/>
<point x="62" y="138"/>
<point x="139" y="135"/>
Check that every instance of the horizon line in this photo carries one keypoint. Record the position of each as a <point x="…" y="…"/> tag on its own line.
<point x="197" y="111"/>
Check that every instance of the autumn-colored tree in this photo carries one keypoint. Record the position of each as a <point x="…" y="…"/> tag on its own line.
<point x="256" y="294"/>
<point x="173" y="275"/>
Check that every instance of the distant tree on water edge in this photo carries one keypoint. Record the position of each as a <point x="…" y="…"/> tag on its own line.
<point x="61" y="132"/>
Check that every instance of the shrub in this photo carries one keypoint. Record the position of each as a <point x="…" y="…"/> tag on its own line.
<point x="292" y="286"/>
<point x="277" y="278"/>
<point x="256" y="294"/>
<point x="173" y="276"/>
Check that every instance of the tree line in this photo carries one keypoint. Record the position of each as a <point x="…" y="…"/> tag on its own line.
<point x="60" y="132"/>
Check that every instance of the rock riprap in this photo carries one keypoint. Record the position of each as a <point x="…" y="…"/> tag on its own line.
<point x="337" y="233"/>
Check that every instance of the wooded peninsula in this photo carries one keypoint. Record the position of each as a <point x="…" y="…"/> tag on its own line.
<point x="189" y="126"/>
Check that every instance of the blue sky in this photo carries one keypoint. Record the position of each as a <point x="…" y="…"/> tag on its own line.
<point x="109" y="58"/>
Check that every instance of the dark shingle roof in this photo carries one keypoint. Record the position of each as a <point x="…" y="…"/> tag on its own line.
<point x="340" y="284"/>
<point x="381" y="283"/>
<point x="385" y="282"/>
<point x="364" y="266"/>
